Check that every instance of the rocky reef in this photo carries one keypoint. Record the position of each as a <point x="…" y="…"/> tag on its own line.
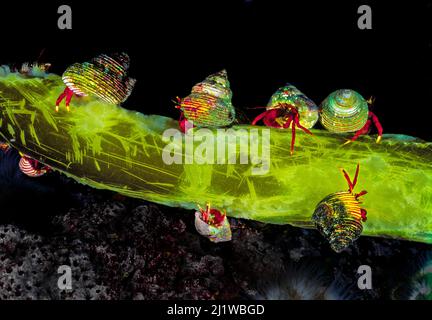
<point x="121" y="248"/>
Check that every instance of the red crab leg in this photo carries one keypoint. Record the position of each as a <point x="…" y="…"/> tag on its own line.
<point x="297" y="122"/>
<point x="371" y="118"/>
<point x="67" y="93"/>
<point x="259" y="117"/>
<point x="182" y="122"/>
<point x="270" y="119"/>
<point x="377" y="125"/>
<point x="69" y="96"/>
<point x="61" y="97"/>
<point x="363" y="130"/>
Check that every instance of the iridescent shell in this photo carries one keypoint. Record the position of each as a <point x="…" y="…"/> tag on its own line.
<point x="338" y="218"/>
<point x="213" y="233"/>
<point x="103" y="77"/>
<point x="209" y="104"/>
<point x="307" y="109"/>
<point x="344" y="111"/>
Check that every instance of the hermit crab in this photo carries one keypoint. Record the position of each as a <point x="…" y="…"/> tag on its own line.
<point x="209" y="104"/>
<point x="287" y="107"/>
<point x="347" y="111"/>
<point x="31" y="167"/>
<point x="213" y="224"/>
<point x="339" y="216"/>
<point x="103" y="77"/>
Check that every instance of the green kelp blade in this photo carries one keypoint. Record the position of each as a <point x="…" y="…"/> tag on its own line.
<point x="108" y="147"/>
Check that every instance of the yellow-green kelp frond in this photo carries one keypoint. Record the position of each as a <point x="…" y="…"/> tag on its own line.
<point x="108" y="147"/>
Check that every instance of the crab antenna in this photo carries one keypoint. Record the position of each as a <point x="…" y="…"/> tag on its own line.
<point x="356" y="175"/>
<point x="347" y="178"/>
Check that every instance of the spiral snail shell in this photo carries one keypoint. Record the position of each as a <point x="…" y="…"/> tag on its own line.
<point x="209" y="104"/>
<point x="290" y="95"/>
<point x="213" y="224"/>
<point x="338" y="217"/>
<point x="344" y="111"/>
<point x="103" y="77"/>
